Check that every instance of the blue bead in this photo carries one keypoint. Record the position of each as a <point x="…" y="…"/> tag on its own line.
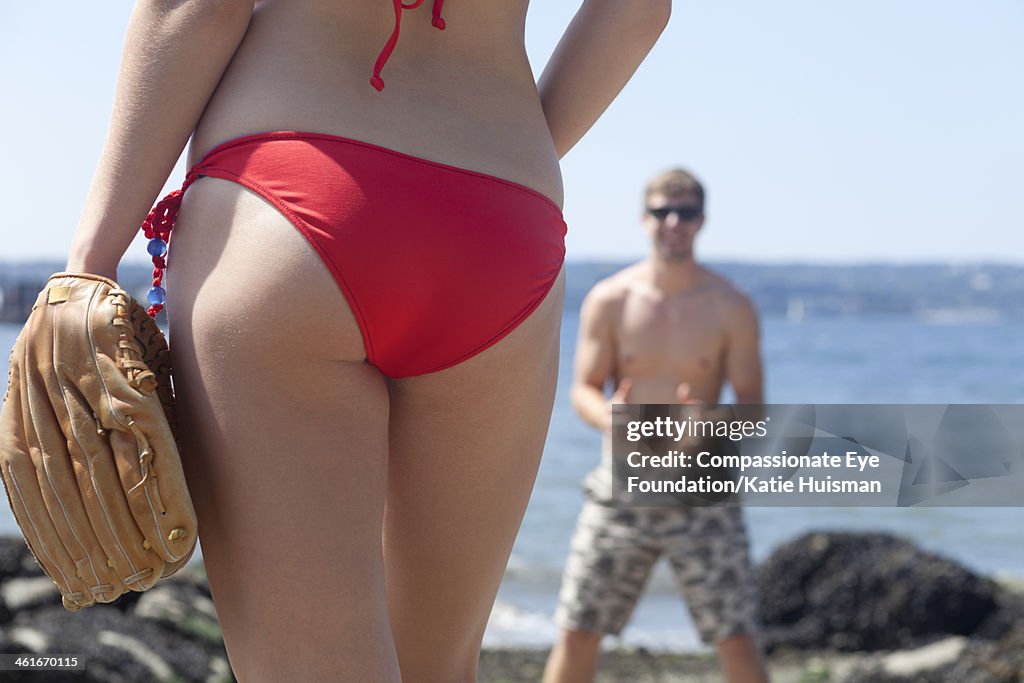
<point x="156" y="295"/>
<point x="156" y="247"/>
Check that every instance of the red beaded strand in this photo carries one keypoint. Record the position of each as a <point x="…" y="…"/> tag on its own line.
<point x="157" y="226"/>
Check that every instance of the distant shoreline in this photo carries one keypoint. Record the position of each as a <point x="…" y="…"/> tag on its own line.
<point x="969" y="293"/>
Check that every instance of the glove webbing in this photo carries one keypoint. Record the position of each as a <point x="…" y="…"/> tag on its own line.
<point x="137" y="372"/>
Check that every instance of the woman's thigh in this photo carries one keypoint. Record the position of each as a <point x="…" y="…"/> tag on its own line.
<point x="284" y="443"/>
<point x="465" y="444"/>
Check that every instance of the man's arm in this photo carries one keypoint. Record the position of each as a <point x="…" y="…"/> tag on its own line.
<point x="595" y="358"/>
<point x="598" y="54"/>
<point x="743" y="353"/>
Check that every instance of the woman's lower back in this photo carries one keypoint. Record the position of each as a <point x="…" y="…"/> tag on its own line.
<point x="464" y="96"/>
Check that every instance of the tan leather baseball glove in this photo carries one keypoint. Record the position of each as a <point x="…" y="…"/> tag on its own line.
<point x="87" y="448"/>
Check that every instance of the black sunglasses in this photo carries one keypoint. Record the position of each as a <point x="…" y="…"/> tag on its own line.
<point x="684" y="213"/>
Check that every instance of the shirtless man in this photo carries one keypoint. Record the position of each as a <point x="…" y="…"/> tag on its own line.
<point x="665" y="330"/>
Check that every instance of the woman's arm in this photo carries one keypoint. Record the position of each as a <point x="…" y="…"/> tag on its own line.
<point x="174" y="55"/>
<point x="594" y="60"/>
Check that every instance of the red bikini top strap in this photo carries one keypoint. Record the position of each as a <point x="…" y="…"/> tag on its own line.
<point x="437" y="22"/>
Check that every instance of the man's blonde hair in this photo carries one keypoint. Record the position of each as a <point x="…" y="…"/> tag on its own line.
<point x="673" y="182"/>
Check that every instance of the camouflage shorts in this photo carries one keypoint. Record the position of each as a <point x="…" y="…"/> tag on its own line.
<point x="614" y="550"/>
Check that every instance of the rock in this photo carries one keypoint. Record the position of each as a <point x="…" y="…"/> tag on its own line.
<point x="974" y="661"/>
<point x="911" y="663"/>
<point x="16" y="559"/>
<point x="119" y="646"/>
<point x="182" y="603"/>
<point x="28" y="593"/>
<point x="29" y="640"/>
<point x="139" y="651"/>
<point x="23" y="585"/>
<point x="1001" y="661"/>
<point x="1007" y="617"/>
<point x="873" y="671"/>
<point x="867" y="591"/>
<point x="921" y="665"/>
<point x="167" y="633"/>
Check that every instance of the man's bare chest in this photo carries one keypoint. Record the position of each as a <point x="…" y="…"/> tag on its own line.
<point x="683" y="336"/>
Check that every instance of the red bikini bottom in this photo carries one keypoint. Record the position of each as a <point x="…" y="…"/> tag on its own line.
<point x="437" y="262"/>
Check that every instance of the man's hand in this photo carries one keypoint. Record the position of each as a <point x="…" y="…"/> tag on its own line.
<point x="623" y="394"/>
<point x="683" y="394"/>
<point x="704" y="412"/>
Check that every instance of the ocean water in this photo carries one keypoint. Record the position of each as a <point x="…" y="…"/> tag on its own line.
<point x="959" y="355"/>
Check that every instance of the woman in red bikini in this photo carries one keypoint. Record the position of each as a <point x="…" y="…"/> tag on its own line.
<point x="364" y="287"/>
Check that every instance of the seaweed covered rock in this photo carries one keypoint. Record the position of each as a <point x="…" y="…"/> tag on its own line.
<point x="117" y="646"/>
<point x="15" y="559"/>
<point x="183" y="604"/>
<point x="867" y="592"/>
<point x="1000" y="661"/>
<point x="168" y="633"/>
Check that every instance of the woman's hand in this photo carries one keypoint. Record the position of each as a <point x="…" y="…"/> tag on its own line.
<point x="93" y="266"/>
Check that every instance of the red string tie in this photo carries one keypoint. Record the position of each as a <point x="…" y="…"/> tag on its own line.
<point x="437" y="21"/>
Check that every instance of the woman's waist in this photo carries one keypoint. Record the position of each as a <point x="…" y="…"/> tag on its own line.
<point x="517" y="159"/>
<point x="496" y="133"/>
<point x="326" y="174"/>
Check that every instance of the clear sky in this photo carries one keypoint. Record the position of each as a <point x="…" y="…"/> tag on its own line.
<point x="824" y="131"/>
